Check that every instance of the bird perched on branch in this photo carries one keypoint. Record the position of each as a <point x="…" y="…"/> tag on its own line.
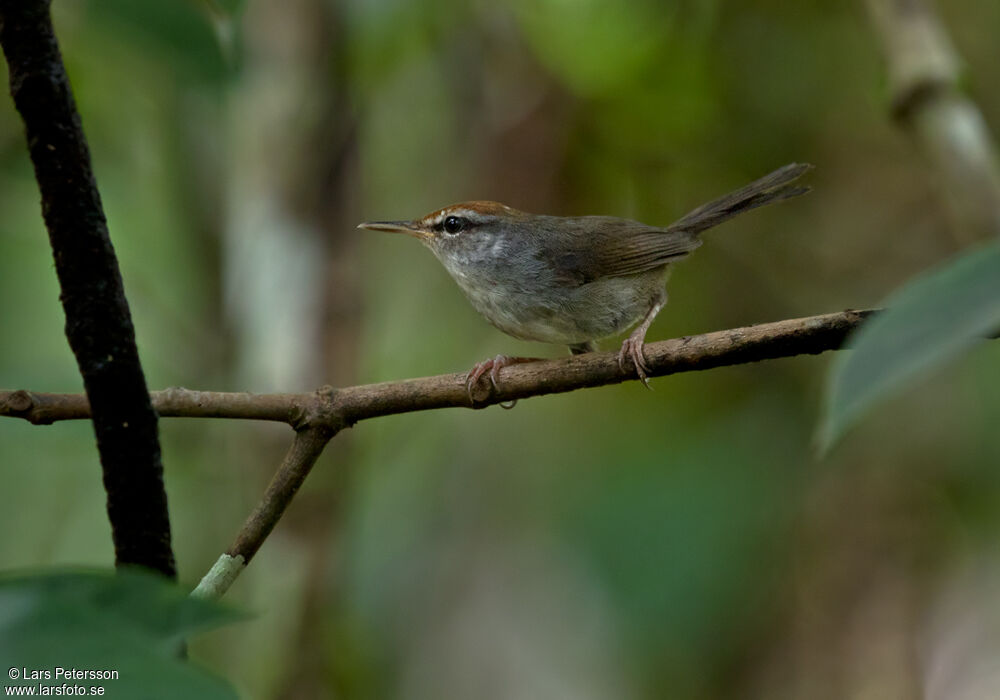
<point x="573" y="280"/>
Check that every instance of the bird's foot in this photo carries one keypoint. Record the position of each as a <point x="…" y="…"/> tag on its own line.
<point x="493" y="366"/>
<point x="632" y="352"/>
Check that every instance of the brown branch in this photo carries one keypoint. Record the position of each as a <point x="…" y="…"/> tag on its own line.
<point x="302" y="455"/>
<point x="315" y="427"/>
<point x="98" y="324"/>
<point x="319" y="416"/>
<point x="344" y="407"/>
<point x="927" y="99"/>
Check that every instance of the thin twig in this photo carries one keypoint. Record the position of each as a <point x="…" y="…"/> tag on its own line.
<point x="306" y="448"/>
<point x="344" y="407"/>
<point x="315" y="426"/>
<point x="98" y="324"/>
<point x="301" y="456"/>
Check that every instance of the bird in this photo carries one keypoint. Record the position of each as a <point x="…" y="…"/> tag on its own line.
<point x="578" y="279"/>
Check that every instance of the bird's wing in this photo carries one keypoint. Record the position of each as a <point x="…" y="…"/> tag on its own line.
<point x="592" y="247"/>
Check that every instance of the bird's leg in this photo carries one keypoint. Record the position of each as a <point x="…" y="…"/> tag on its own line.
<point x="632" y="347"/>
<point x="493" y="366"/>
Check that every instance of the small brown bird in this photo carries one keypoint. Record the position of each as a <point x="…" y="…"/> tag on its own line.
<point x="573" y="280"/>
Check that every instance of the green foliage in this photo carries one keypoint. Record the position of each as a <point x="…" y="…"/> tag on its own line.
<point x="617" y="47"/>
<point x="654" y="536"/>
<point x="229" y="8"/>
<point x="198" y="39"/>
<point x="132" y="622"/>
<point x="927" y="322"/>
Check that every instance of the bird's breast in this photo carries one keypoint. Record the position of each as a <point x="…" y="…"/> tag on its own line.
<point x="536" y="308"/>
<point x="524" y="297"/>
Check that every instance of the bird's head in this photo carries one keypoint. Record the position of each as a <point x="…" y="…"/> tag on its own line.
<point x="456" y="227"/>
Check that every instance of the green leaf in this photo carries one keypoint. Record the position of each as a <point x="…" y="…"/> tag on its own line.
<point x="197" y="39"/>
<point x="230" y="8"/>
<point x="131" y="622"/>
<point x="596" y="46"/>
<point x="927" y="322"/>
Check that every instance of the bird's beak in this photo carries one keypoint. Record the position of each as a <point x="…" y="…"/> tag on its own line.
<point x="410" y="228"/>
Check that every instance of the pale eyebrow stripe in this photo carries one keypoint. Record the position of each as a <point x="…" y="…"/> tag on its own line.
<point x="438" y="217"/>
<point x="433" y="219"/>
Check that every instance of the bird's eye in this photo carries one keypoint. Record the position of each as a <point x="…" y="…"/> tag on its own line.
<point x="454" y="224"/>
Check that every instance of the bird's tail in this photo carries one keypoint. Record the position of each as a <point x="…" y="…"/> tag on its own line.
<point x="773" y="187"/>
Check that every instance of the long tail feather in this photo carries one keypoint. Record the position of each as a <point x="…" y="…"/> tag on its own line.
<point x="773" y="187"/>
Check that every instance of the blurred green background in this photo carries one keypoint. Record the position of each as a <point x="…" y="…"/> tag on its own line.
<point x="613" y="543"/>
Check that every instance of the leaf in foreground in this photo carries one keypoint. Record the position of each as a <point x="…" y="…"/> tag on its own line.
<point x="930" y="320"/>
<point x="132" y="622"/>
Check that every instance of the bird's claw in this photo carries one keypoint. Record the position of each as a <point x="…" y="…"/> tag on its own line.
<point x="477" y="371"/>
<point x="493" y="366"/>
<point x="632" y="350"/>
